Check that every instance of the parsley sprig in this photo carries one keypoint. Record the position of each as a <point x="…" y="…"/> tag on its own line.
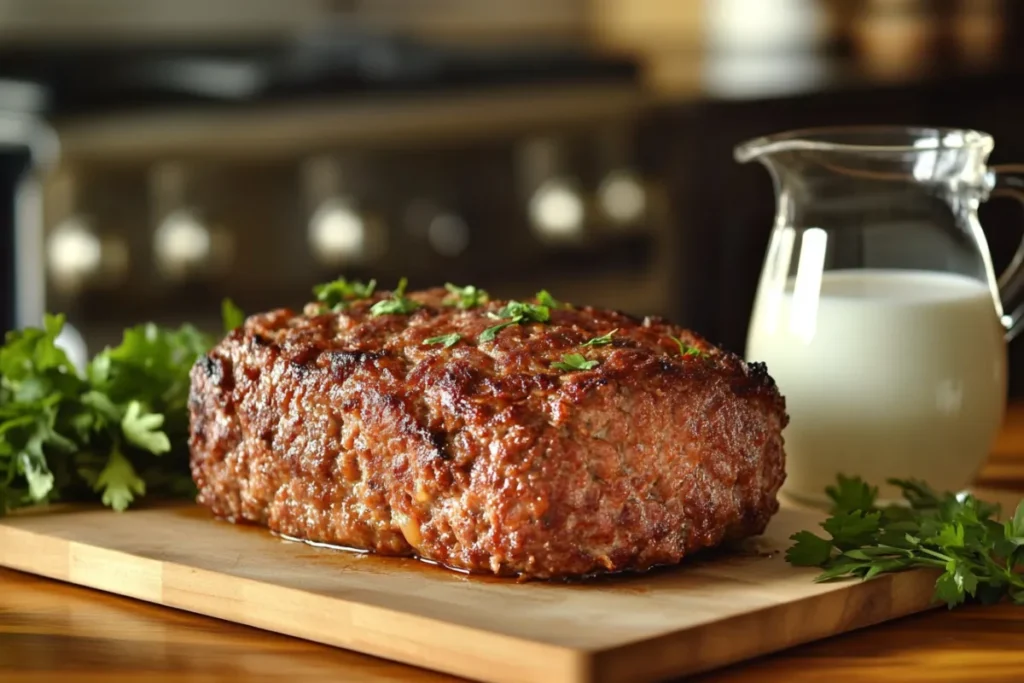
<point x="445" y="340"/>
<point x="398" y="304"/>
<point x="516" y="313"/>
<point x="119" y="429"/>
<point x="466" y="297"/>
<point x="232" y="316"/>
<point x="338" y="294"/>
<point x="603" y="340"/>
<point x="980" y="558"/>
<point x="544" y="298"/>
<point x="574" y="361"/>
<point x="685" y="349"/>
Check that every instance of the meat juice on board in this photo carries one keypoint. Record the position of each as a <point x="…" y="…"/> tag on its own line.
<point x="886" y="373"/>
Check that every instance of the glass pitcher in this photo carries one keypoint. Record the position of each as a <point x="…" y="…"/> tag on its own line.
<point x="878" y="312"/>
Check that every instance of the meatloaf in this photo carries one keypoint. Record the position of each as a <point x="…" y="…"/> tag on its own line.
<point x="411" y="433"/>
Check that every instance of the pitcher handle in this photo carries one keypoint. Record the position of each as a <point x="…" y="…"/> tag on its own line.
<point x="1008" y="180"/>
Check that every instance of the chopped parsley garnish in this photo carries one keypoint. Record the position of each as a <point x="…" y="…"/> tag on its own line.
<point x="447" y="340"/>
<point x="336" y="295"/>
<point x="516" y="313"/>
<point x="685" y="349"/>
<point x="398" y="304"/>
<point x="232" y="316"/>
<point x="544" y="298"/>
<point x="574" y="361"/>
<point x="603" y="340"/>
<point x="465" y="297"/>
<point x="980" y="559"/>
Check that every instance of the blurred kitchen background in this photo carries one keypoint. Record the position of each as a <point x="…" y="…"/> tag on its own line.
<point x="159" y="155"/>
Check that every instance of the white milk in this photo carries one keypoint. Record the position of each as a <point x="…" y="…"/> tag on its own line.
<point x="886" y="373"/>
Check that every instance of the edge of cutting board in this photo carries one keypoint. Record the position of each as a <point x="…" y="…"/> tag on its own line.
<point x="883" y="598"/>
<point x="374" y="630"/>
<point x="433" y="643"/>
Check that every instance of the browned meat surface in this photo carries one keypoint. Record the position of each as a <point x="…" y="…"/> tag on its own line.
<point x="346" y="428"/>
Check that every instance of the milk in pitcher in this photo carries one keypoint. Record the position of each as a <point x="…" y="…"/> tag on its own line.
<point x="886" y="373"/>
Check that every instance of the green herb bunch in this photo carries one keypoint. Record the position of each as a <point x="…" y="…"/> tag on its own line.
<point x="119" y="429"/>
<point x="979" y="559"/>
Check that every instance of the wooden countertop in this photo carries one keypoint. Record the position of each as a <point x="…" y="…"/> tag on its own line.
<point x="52" y="632"/>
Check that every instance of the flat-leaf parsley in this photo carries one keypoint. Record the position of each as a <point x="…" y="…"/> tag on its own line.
<point x="685" y="349"/>
<point x="516" y="313"/>
<point x="466" y="297"/>
<point x="118" y="427"/>
<point x="980" y="559"/>
<point x="603" y="340"/>
<point x="446" y="340"/>
<point x="338" y="294"/>
<point x="398" y="304"/>
<point x="574" y="361"/>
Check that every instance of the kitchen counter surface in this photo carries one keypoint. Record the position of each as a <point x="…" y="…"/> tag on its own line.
<point x="50" y="631"/>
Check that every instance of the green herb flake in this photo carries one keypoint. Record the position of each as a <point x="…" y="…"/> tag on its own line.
<point x="603" y="340"/>
<point x="980" y="559"/>
<point x="231" y="315"/>
<point x="544" y="298"/>
<point x="572" y="362"/>
<point x="398" y="304"/>
<point x="515" y="313"/>
<point x="466" y="297"/>
<point x="446" y="340"/>
<point x="686" y="350"/>
<point x="337" y="295"/>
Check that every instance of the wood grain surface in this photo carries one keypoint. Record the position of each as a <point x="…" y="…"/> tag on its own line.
<point x="51" y="631"/>
<point x="713" y="610"/>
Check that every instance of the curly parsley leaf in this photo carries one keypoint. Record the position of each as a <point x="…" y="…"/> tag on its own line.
<point x="466" y="297"/>
<point x="980" y="559"/>
<point x="574" y="361"/>
<point x="398" y="304"/>
<point x="446" y="340"/>
<point x="603" y="340"/>
<point x="338" y="294"/>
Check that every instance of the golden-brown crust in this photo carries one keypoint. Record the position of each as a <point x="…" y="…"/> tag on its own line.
<point x="345" y="428"/>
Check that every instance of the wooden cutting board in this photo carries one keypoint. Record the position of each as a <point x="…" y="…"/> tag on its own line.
<point x="714" y="610"/>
